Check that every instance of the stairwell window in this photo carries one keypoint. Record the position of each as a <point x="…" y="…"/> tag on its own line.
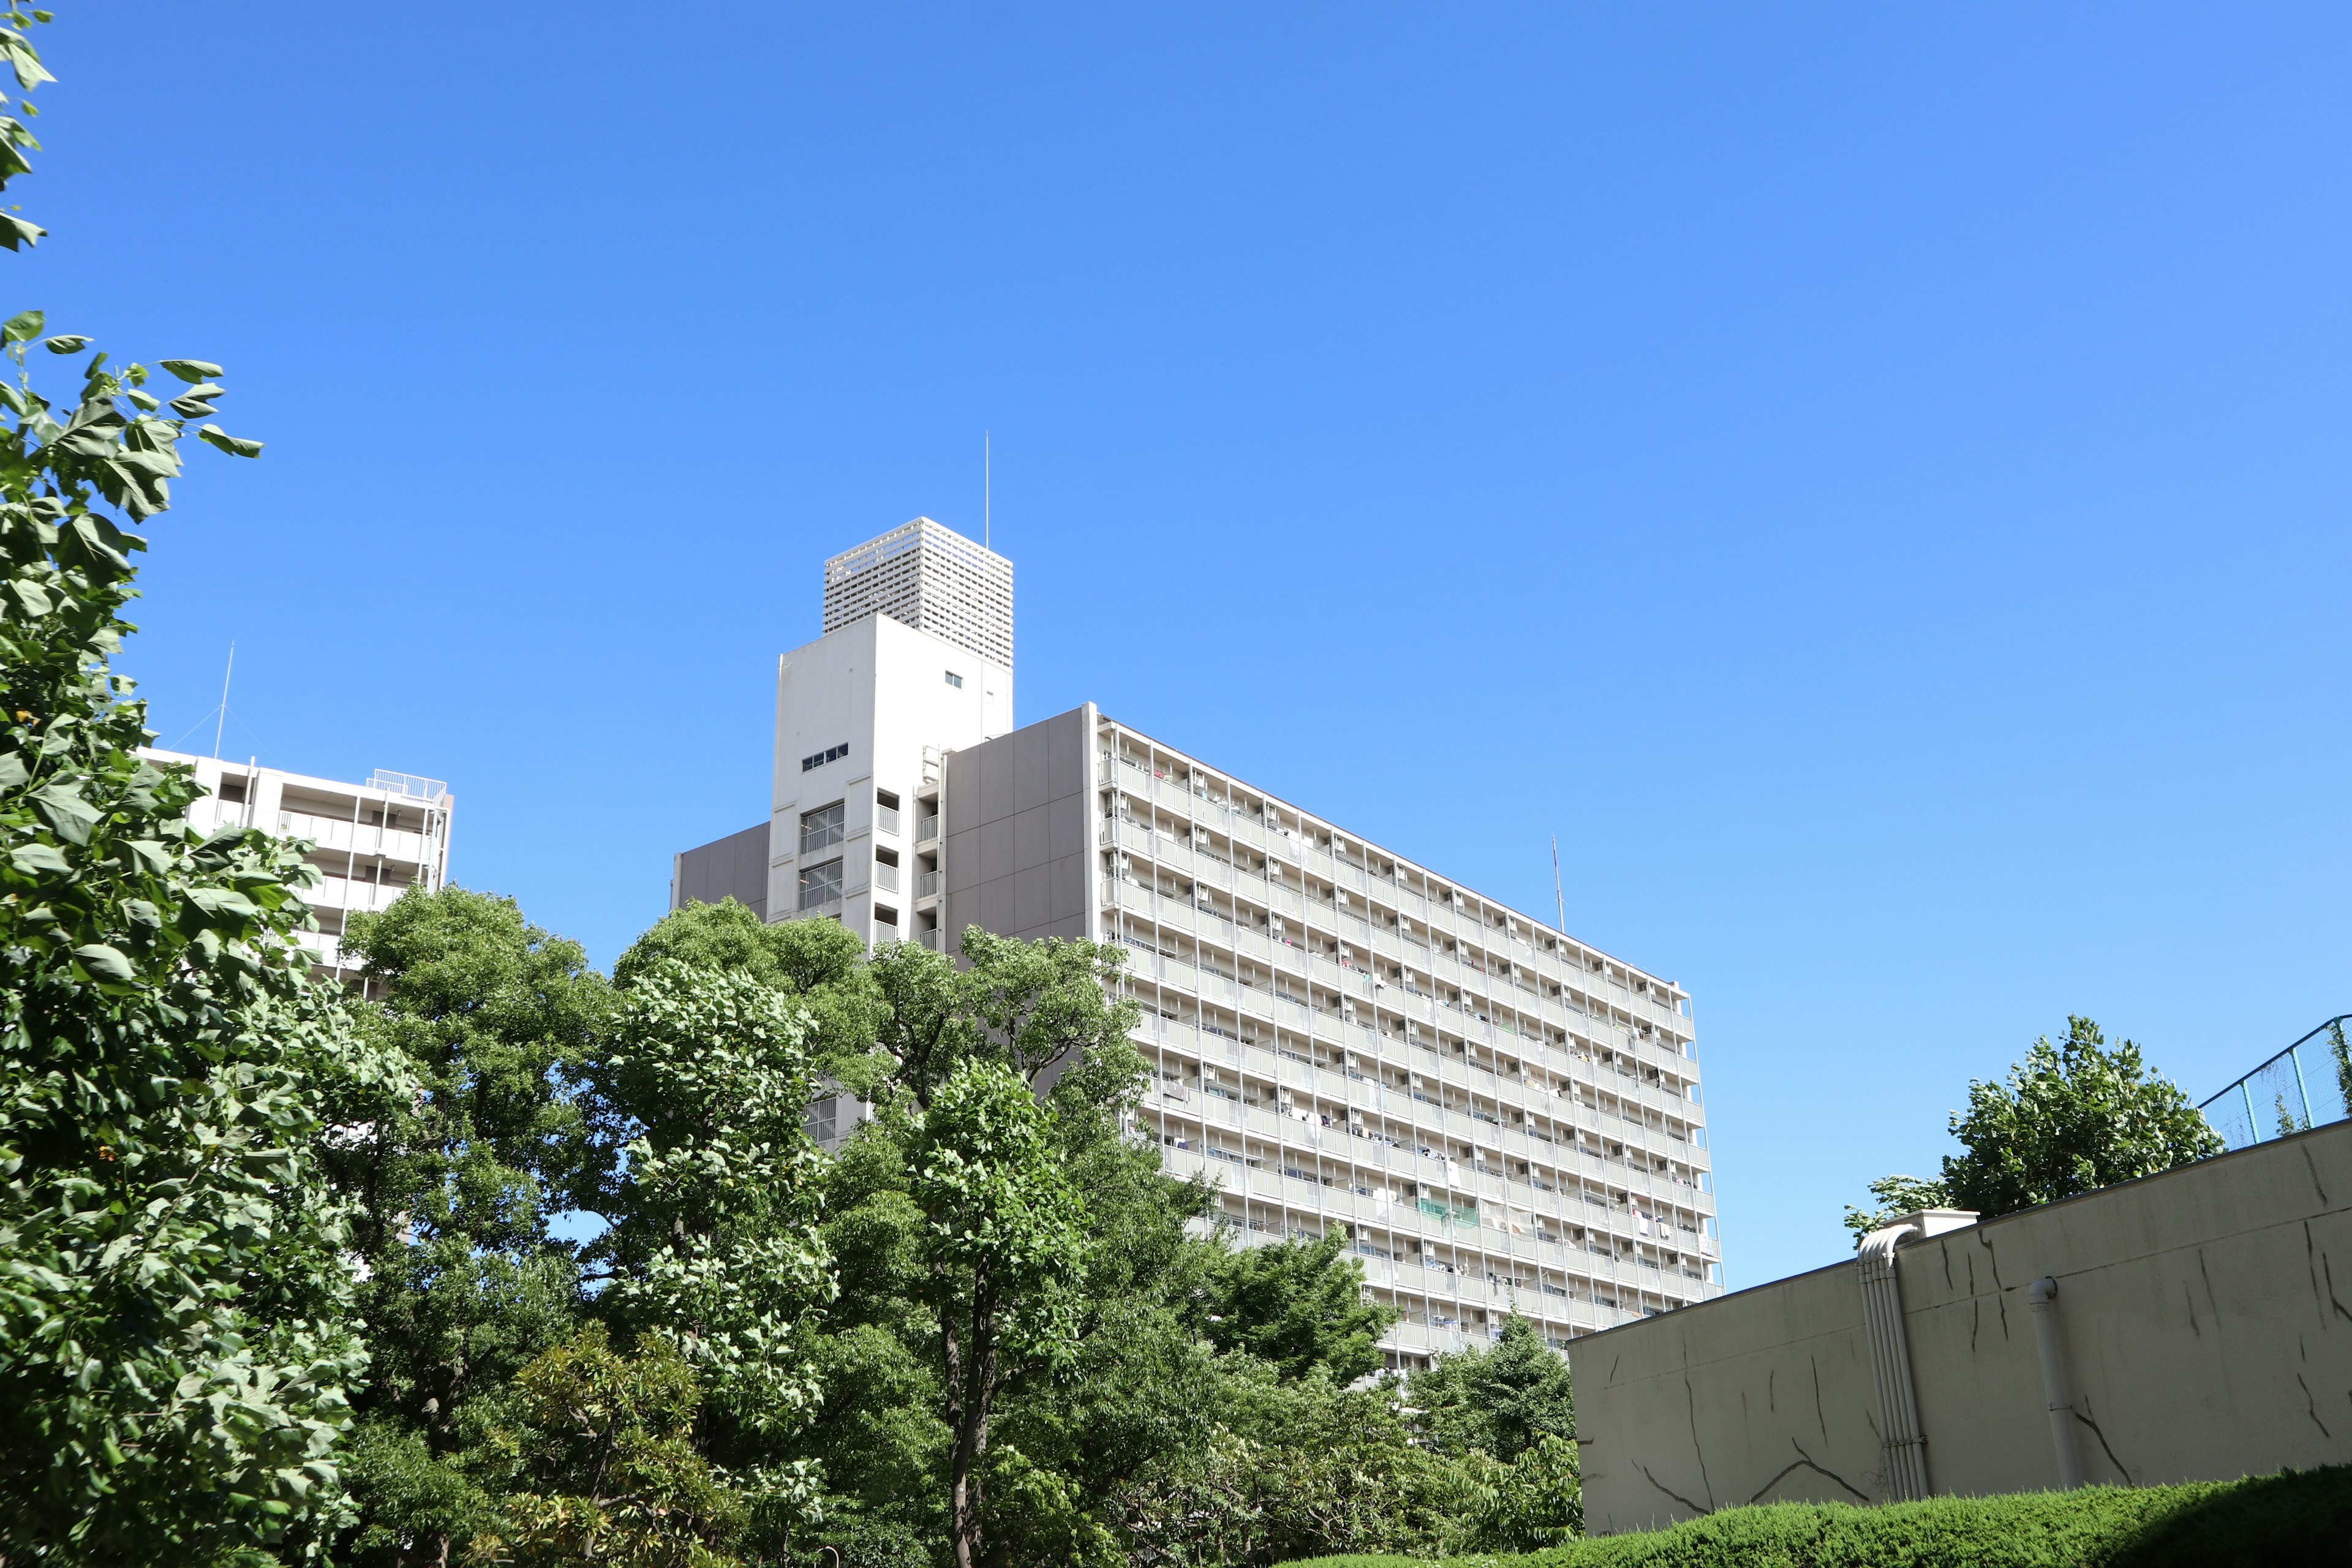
<point x="822" y="828"/>
<point x="955" y="680"/>
<point x="821" y="885"/>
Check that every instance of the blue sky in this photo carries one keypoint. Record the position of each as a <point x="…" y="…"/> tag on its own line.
<point x="1870" y="479"/>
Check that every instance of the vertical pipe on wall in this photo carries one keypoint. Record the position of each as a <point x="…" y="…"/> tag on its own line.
<point x="2043" y="1294"/>
<point x="1905" y="1446"/>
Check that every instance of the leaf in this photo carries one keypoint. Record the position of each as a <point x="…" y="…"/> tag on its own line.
<point x="12" y="770"/>
<point x="31" y="596"/>
<point x="191" y="371"/>
<point x="15" y="232"/>
<point x="105" y="963"/>
<point x="191" y="406"/>
<point x="34" y="858"/>
<point x="70" y="343"/>
<point x="234" y="445"/>
<point x="69" y="816"/>
<point x="24" y="326"/>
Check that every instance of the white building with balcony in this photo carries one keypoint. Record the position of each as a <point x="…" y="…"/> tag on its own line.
<point x="375" y="840"/>
<point x="1504" y="1117"/>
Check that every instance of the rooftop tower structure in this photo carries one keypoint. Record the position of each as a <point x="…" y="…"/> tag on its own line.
<point x="930" y="578"/>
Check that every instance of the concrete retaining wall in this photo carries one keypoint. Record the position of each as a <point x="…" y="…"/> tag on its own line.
<point x="2205" y="1318"/>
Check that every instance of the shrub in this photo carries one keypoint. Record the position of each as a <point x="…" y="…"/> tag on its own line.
<point x="2291" y="1517"/>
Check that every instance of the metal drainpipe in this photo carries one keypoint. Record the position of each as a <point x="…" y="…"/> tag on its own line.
<point x="2043" y="1294"/>
<point x="1905" y="1445"/>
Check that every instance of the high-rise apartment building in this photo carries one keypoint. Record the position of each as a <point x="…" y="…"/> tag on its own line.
<point x="1505" y="1118"/>
<point x="375" y="840"/>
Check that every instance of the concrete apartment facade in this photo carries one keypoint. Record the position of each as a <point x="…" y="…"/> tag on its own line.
<point x="1505" y="1118"/>
<point x="375" y="840"/>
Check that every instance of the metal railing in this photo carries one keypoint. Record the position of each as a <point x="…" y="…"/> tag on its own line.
<point x="2308" y="1083"/>
<point x="408" y="785"/>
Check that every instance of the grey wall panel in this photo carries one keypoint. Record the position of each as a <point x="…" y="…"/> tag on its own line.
<point x="735" y="866"/>
<point x="1016" y="831"/>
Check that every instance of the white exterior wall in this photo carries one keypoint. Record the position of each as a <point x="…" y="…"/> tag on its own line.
<point x="880" y="687"/>
<point x="1506" y="1118"/>
<point x="375" y="840"/>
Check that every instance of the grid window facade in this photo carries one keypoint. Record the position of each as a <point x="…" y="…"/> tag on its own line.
<point x="928" y="578"/>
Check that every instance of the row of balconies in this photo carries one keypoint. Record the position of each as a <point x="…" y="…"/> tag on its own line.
<point x="1665" y="1097"/>
<point x="1178" y="915"/>
<point x="1475" y="925"/>
<point x="1657" y="1010"/>
<point x="1524" y="1138"/>
<point x="340" y="836"/>
<point x="1477" y="1249"/>
<point x="1406" y="1166"/>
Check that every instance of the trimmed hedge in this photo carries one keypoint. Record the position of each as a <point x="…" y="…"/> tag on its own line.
<point x="2293" y="1517"/>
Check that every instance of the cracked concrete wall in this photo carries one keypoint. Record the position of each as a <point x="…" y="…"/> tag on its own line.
<point x="2206" y="1332"/>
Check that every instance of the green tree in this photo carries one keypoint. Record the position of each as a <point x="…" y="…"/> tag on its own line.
<point x="176" y="1337"/>
<point x="1501" y="1400"/>
<point x="1286" y="1468"/>
<point x="1894" y="1197"/>
<point x="819" y="963"/>
<point x="2339" y="1052"/>
<point x="1300" y="1305"/>
<point x="459" y="1180"/>
<point x="2070" y="1118"/>
<point x="711" y="1185"/>
<point x="607" y="1467"/>
<point x="1004" y="1238"/>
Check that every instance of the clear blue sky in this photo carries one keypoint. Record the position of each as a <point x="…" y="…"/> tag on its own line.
<point x="1872" y="480"/>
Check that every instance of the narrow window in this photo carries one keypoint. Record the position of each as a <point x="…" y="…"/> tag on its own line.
<point x="955" y="680"/>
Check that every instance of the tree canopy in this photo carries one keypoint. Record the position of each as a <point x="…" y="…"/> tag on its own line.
<point x="2072" y="1117"/>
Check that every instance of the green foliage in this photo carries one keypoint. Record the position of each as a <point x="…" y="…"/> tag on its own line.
<point x="464" y="1286"/>
<point x="710" y="1184"/>
<point x="2252" y="1523"/>
<point x="176" y="1344"/>
<point x="1300" y="1305"/>
<point x="2339" y="1052"/>
<point x="609" y="1470"/>
<point x="1502" y="1400"/>
<point x="820" y="963"/>
<point x="1291" y="1468"/>
<point x="2071" y="1118"/>
<point x="1896" y="1197"/>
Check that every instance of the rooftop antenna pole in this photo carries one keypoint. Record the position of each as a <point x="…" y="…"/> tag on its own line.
<point x="223" y="724"/>
<point x="985" y="455"/>
<point x="1556" y="896"/>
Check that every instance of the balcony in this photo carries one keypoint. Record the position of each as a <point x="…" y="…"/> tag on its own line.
<point x="926" y="884"/>
<point x="885" y="877"/>
<point x="927" y="828"/>
<point x="885" y="819"/>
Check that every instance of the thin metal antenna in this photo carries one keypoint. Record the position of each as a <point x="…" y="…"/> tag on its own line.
<point x="224" y="707"/>
<point x="985" y="456"/>
<point x="1556" y="896"/>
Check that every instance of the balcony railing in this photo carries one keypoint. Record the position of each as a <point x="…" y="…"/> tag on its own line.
<point x="886" y="818"/>
<point x="926" y="884"/>
<point x="927" y="828"/>
<point x="885" y="877"/>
